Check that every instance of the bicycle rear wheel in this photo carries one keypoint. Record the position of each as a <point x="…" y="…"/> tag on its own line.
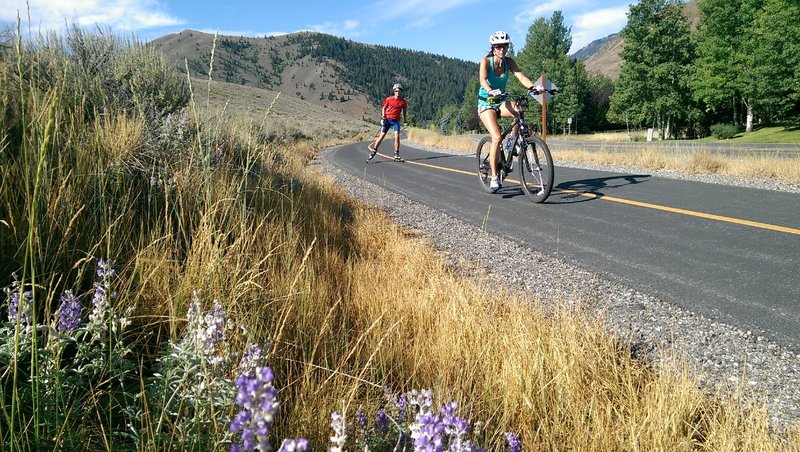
<point x="484" y="167"/>
<point x="536" y="169"/>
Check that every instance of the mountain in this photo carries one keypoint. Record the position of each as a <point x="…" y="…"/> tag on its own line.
<point x="601" y="56"/>
<point x="338" y="74"/>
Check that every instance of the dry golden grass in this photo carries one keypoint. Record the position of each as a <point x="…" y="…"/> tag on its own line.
<point x="351" y="304"/>
<point x="431" y="138"/>
<point x="692" y="162"/>
<point x="557" y="379"/>
<point x="697" y="161"/>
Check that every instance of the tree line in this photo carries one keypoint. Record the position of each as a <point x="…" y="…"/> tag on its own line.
<point x="741" y="66"/>
<point x="429" y="80"/>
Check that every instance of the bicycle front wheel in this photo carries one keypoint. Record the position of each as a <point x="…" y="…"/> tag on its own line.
<point x="484" y="165"/>
<point x="536" y="169"/>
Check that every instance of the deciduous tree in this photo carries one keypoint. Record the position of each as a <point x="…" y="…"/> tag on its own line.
<point x="657" y="57"/>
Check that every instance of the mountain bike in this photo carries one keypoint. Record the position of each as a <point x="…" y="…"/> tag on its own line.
<point x="535" y="163"/>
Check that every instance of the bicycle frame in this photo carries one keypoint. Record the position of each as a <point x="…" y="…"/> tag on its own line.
<point x="506" y="161"/>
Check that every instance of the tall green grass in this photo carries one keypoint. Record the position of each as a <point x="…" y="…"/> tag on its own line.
<point x="191" y="240"/>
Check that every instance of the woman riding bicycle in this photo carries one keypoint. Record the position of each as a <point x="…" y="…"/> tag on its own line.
<point x="493" y="76"/>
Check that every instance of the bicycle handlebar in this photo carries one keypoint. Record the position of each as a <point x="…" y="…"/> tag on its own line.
<point x="533" y="91"/>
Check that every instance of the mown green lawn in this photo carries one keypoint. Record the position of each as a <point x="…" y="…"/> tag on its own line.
<point x="771" y="134"/>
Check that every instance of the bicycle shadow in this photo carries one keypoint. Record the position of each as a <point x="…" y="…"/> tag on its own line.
<point x="589" y="189"/>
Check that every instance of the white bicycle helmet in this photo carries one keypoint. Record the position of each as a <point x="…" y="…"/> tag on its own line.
<point x="397" y="86"/>
<point x="499" y="37"/>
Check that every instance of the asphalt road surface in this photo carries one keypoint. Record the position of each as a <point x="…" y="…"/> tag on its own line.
<point x="729" y="253"/>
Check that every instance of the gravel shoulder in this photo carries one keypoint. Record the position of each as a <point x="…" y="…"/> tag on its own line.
<point x="721" y="357"/>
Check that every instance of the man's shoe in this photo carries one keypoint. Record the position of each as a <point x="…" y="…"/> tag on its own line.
<point x="372" y="153"/>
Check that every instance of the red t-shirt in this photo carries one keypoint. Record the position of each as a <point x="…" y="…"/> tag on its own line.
<point x="393" y="107"/>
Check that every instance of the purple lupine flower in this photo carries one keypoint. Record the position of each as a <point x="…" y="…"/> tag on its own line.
<point x="402" y="407"/>
<point x="427" y="428"/>
<point x="204" y="332"/>
<point x="339" y="432"/>
<point x="69" y="313"/>
<point x="101" y="301"/>
<point x="455" y="427"/>
<point x="19" y="305"/>
<point x="250" y="360"/>
<point x="361" y="417"/>
<point x="292" y="445"/>
<point x="194" y="314"/>
<point x="259" y="402"/>
<point x="427" y="431"/>
<point x="513" y="442"/>
<point x="422" y="399"/>
<point x="215" y="325"/>
<point x="381" y="421"/>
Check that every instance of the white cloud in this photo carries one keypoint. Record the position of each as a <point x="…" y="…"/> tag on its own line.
<point x="533" y="11"/>
<point x="587" y="24"/>
<point x="597" y="24"/>
<point x="349" y="28"/>
<point x="120" y="15"/>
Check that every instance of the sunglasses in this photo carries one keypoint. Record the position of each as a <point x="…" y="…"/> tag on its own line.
<point x="397" y="90"/>
<point x="500" y="46"/>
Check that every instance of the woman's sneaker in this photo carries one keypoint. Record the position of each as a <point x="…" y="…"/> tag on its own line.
<point x="494" y="185"/>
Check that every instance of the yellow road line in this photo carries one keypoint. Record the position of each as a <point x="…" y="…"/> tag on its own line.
<point x="647" y="205"/>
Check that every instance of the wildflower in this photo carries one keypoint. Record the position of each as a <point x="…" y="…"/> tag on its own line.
<point x="259" y="402"/>
<point x="291" y="445"/>
<point x="215" y="325"/>
<point x="422" y="399"/>
<point x="455" y="427"/>
<point x="19" y="304"/>
<point x="193" y="315"/>
<point x="361" y="417"/>
<point x="69" y="313"/>
<point x="101" y="301"/>
<point x="431" y="431"/>
<point x="205" y="332"/>
<point x="250" y="360"/>
<point x="427" y="432"/>
<point x="513" y="442"/>
<point x="402" y="407"/>
<point x="381" y="421"/>
<point x="339" y="432"/>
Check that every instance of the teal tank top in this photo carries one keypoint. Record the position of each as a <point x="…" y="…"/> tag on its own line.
<point x="494" y="81"/>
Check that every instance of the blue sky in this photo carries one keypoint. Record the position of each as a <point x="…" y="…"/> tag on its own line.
<point x="455" y="28"/>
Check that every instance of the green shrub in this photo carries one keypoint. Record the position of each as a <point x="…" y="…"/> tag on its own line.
<point x="724" y="131"/>
<point x="101" y="72"/>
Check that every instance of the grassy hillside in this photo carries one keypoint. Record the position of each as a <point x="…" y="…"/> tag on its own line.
<point x="280" y="113"/>
<point x="340" y="75"/>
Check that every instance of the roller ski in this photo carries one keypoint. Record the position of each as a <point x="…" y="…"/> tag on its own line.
<point x="397" y="157"/>
<point x="372" y="152"/>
